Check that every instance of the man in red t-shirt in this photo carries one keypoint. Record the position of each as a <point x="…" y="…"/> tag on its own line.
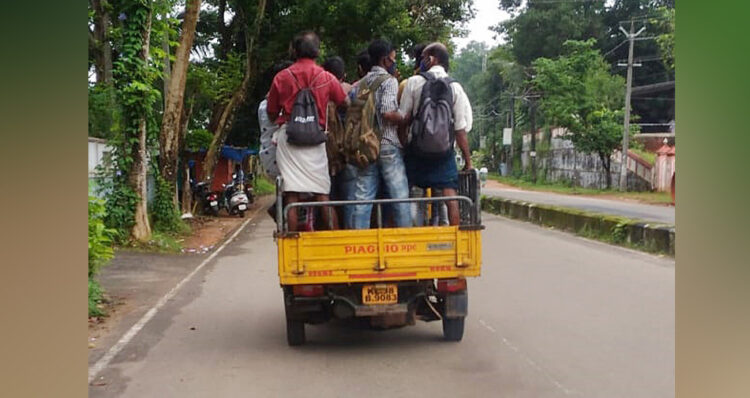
<point x="304" y="169"/>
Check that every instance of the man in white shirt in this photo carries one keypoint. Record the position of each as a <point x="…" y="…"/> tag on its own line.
<point x="438" y="174"/>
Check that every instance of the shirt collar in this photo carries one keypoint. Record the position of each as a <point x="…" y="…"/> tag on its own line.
<point x="438" y="70"/>
<point x="378" y="70"/>
<point x="305" y="61"/>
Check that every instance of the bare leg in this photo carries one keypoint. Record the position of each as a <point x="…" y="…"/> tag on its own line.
<point x="453" y="213"/>
<point x="291" y="197"/>
<point x="330" y="218"/>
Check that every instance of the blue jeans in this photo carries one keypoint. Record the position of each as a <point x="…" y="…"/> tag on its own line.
<point x="389" y="166"/>
<point x="347" y="184"/>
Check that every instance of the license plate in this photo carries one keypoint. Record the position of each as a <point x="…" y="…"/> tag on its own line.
<point x="214" y="203"/>
<point x="382" y="293"/>
<point x="242" y="207"/>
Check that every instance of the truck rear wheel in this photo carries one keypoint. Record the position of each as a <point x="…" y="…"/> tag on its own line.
<point x="453" y="328"/>
<point x="295" y="332"/>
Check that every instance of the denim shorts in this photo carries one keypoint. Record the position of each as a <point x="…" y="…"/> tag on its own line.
<point x="432" y="173"/>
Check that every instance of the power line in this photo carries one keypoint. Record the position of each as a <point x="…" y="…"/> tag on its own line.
<point x="615" y="48"/>
<point x="644" y="18"/>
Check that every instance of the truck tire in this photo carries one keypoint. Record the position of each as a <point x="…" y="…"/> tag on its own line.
<point x="453" y="328"/>
<point x="295" y="332"/>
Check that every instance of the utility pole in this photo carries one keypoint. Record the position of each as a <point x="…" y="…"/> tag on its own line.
<point x="512" y="128"/>
<point x="626" y="132"/>
<point x="532" y="153"/>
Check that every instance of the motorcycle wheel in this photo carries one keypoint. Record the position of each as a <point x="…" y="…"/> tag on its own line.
<point x="242" y="214"/>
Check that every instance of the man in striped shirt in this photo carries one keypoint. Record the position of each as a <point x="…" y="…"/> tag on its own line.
<point x="389" y="167"/>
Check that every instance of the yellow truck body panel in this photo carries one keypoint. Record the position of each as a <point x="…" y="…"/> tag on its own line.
<point x="372" y="255"/>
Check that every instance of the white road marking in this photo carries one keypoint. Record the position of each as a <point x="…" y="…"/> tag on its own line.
<point x="128" y="336"/>
<point x="490" y="328"/>
<point x="530" y="361"/>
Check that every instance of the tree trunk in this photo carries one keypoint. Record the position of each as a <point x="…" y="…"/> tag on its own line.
<point x="170" y="127"/>
<point x="141" y="229"/>
<point x="225" y="33"/>
<point x="238" y="98"/>
<point x="187" y="198"/>
<point x="167" y="70"/>
<point x="606" y="163"/>
<point x="99" y="43"/>
<point x="225" y="44"/>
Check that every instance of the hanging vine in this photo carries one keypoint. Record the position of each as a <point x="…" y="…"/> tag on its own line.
<point x="124" y="170"/>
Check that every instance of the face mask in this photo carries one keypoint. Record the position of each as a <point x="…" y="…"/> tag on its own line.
<point x="424" y="67"/>
<point x="392" y="69"/>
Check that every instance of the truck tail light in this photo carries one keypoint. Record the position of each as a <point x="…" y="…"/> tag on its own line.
<point x="451" y="285"/>
<point x="308" y="290"/>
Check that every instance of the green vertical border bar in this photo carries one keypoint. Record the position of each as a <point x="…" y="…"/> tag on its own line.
<point x="43" y="272"/>
<point x="713" y="244"/>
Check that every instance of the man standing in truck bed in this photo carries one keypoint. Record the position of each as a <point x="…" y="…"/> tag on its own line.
<point x="304" y="169"/>
<point x="438" y="172"/>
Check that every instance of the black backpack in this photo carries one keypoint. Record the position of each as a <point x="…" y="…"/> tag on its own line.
<point x="432" y="130"/>
<point x="303" y="128"/>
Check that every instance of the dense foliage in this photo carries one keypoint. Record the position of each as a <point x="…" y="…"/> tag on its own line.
<point x="579" y="94"/>
<point x="545" y="42"/>
<point x="99" y="250"/>
<point x="132" y="43"/>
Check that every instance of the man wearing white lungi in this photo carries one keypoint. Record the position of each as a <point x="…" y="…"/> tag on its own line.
<point x="304" y="169"/>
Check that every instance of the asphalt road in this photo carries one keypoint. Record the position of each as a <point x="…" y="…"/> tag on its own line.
<point x="656" y="213"/>
<point x="553" y="315"/>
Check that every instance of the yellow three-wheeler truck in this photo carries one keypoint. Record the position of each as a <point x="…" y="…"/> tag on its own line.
<point x="393" y="276"/>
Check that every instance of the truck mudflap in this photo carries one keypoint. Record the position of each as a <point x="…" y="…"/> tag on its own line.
<point x="457" y="304"/>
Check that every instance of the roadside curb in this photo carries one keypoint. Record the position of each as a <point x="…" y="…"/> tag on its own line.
<point x="637" y="234"/>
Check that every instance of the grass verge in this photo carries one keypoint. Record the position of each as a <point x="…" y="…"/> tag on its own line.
<point x="96" y="299"/>
<point x="659" y="198"/>
<point x="263" y="186"/>
<point x="160" y="243"/>
<point x="634" y="234"/>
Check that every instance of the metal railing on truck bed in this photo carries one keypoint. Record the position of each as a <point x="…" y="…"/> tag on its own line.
<point x="468" y="198"/>
<point x="383" y="254"/>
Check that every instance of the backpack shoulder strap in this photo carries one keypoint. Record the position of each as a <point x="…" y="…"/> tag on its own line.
<point x="312" y="82"/>
<point x="449" y="80"/>
<point x="296" y="81"/>
<point x="427" y="76"/>
<point x="375" y="85"/>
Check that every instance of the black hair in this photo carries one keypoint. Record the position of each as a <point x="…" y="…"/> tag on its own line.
<point x="307" y="45"/>
<point x="378" y="49"/>
<point x="363" y="60"/>
<point x="441" y="53"/>
<point x="416" y="53"/>
<point x="336" y="66"/>
<point x="279" y="66"/>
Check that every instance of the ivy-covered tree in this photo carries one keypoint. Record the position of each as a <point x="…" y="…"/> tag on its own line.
<point x="579" y="93"/>
<point x="137" y="96"/>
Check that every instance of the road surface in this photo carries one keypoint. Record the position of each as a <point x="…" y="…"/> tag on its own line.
<point x="553" y="315"/>
<point x="656" y="213"/>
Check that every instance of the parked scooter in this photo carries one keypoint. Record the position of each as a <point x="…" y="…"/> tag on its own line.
<point x="209" y="200"/>
<point x="235" y="199"/>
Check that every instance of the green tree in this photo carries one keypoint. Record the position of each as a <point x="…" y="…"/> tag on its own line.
<point x="171" y="125"/>
<point x="539" y="29"/>
<point x="579" y="94"/>
<point x="665" y="40"/>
